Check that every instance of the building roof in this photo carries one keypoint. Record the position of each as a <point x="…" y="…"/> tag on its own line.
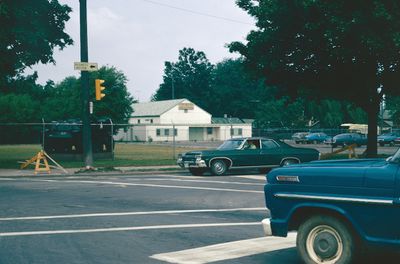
<point x="230" y="120"/>
<point x="156" y="108"/>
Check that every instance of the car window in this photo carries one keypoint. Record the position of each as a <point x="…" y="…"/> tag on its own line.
<point x="252" y="144"/>
<point x="230" y="144"/>
<point x="269" y="144"/>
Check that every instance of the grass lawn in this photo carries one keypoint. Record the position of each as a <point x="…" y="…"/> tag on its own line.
<point x="125" y="155"/>
<point x="137" y="154"/>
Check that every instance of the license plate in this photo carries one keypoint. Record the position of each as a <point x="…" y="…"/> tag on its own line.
<point x="186" y="164"/>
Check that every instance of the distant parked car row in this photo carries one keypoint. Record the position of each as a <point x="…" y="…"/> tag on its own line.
<point x="344" y="139"/>
<point x="310" y="138"/>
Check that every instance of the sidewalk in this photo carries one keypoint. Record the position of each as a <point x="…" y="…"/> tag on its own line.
<point x="77" y="171"/>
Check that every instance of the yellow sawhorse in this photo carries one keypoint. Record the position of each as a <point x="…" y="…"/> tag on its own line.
<point x="37" y="159"/>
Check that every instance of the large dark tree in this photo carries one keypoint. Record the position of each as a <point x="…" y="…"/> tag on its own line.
<point x="336" y="49"/>
<point x="29" y="32"/>
<point x="189" y="78"/>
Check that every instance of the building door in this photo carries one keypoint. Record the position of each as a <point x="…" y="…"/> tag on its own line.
<point x="196" y="133"/>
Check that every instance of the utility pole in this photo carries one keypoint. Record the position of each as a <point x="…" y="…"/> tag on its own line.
<point x="86" y="129"/>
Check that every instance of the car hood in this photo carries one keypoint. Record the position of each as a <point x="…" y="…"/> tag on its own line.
<point x="347" y="173"/>
<point x="201" y="152"/>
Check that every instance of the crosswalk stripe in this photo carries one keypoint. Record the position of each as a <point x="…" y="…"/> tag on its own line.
<point x="230" y="250"/>
<point x="252" y="177"/>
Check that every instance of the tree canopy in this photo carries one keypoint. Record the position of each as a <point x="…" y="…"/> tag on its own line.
<point x="29" y="33"/>
<point x="327" y="49"/>
<point x="188" y="78"/>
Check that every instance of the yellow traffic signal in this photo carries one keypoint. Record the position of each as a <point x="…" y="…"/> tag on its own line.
<point x="99" y="89"/>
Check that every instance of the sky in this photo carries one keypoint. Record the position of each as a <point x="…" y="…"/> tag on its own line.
<point x="138" y="36"/>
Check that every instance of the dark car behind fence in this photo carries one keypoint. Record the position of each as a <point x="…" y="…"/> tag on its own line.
<point x="59" y="136"/>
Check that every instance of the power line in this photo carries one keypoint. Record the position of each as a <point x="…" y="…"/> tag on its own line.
<point x="196" y="12"/>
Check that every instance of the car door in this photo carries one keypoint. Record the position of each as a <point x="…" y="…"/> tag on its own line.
<point x="249" y="155"/>
<point x="381" y="220"/>
<point x="271" y="153"/>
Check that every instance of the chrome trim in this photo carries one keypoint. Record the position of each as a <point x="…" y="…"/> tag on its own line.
<point x="331" y="198"/>
<point x="266" y="224"/>
<point x="285" y="158"/>
<point x="287" y="178"/>
<point x="209" y="162"/>
<point x="261" y="166"/>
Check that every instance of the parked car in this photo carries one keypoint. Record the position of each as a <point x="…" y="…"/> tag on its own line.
<point x="349" y="139"/>
<point x="250" y="152"/>
<point x="299" y="137"/>
<point x="337" y="207"/>
<point x="387" y="139"/>
<point x="316" y="138"/>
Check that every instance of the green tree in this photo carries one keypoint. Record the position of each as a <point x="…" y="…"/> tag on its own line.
<point x="393" y="105"/>
<point x="332" y="49"/>
<point x="63" y="101"/>
<point x="29" y="32"/>
<point x="234" y="92"/>
<point x="189" y="78"/>
<point x="281" y="113"/>
<point x="16" y="109"/>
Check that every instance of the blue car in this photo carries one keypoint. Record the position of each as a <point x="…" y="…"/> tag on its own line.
<point x="316" y="138"/>
<point x="337" y="207"/>
<point x="347" y="139"/>
<point x="387" y="139"/>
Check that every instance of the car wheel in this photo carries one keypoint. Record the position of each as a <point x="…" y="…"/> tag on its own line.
<point x="391" y="143"/>
<point x="325" y="239"/>
<point x="218" y="167"/>
<point x="381" y="144"/>
<point x="288" y="162"/>
<point x="197" y="171"/>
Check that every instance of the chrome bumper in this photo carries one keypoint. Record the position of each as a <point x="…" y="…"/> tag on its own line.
<point x="266" y="224"/>
<point x="199" y="163"/>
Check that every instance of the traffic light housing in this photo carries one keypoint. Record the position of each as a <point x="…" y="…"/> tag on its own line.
<point x="99" y="89"/>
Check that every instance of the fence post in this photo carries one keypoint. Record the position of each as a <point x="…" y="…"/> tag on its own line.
<point x="43" y="130"/>
<point x="173" y="140"/>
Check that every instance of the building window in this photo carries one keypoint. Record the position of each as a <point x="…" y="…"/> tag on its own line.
<point x="185" y="111"/>
<point x="158" y="132"/>
<point x="240" y="131"/>
<point x="138" y="121"/>
<point x="151" y="121"/>
<point x="209" y="130"/>
<point x="166" y="132"/>
<point x="176" y="131"/>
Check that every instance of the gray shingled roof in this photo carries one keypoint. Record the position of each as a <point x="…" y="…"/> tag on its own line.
<point x="230" y="120"/>
<point x="154" y="108"/>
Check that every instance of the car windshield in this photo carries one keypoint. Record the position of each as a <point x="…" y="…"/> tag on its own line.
<point x="230" y="144"/>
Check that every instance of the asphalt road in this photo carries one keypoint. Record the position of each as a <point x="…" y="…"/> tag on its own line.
<point x="162" y="218"/>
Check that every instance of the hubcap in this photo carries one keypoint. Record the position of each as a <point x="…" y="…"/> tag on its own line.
<point x="219" y="167"/>
<point x="324" y="245"/>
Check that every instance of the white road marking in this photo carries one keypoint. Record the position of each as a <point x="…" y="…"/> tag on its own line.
<point x="131" y="213"/>
<point x="230" y="250"/>
<point x="124" y="184"/>
<point x="116" y="229"/>
<point x="253" y="177"/>
<point x="202" y="181"/>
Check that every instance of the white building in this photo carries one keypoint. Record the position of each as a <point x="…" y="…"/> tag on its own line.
<point x="157" y="121"/>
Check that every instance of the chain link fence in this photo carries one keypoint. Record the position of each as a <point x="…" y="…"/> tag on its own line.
<point x="38" y="133"/>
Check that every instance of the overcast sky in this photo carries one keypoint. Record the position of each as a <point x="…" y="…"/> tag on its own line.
<point x="138" y="36"/>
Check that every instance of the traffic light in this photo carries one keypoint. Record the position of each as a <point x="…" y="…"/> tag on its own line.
<point x="99" y="89"/>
